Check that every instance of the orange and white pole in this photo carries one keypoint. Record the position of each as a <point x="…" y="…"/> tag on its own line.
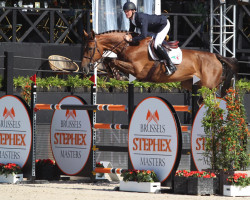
<point x="109" y="170"/>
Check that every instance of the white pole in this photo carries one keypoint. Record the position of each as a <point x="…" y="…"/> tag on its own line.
<point x="221" y="28"/>
<point x="224" y="43"/>
<point x="95" y="74"/>
<point x="234" y="31"/>
<point x="158" y="7"/>
<point x="96" y="15"/>
<point x="211" y="25"/>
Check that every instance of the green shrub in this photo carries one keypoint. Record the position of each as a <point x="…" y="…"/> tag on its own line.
<point x="103" y="82"/>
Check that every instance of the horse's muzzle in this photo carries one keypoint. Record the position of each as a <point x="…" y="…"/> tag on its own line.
<point x="85" y="69"/>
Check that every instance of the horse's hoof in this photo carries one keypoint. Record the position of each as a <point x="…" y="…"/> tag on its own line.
<point x="200" y="101"/>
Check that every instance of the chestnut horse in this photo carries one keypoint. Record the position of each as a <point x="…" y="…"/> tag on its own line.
<point x="135" y="60"/>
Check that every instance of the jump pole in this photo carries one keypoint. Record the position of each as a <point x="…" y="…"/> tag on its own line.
<point x="94" y="102"/>
<point x="99" y="107"/>
<point x="33" y="114"/>
<point x="109" y="170"/>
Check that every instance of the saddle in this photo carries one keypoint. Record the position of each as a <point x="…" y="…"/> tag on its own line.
<point x="167" y="45"/>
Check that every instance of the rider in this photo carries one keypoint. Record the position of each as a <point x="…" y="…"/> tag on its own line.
<point x="156" y="24"/>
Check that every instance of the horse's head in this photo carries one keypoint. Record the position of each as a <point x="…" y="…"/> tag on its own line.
<point x="92" y="51"/>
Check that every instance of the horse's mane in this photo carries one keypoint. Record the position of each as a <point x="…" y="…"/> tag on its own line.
<point x="114" y="31"/>
<point x="119" y="31"/>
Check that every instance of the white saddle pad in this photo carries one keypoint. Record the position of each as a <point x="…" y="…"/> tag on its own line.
<point x="175" y="55"/>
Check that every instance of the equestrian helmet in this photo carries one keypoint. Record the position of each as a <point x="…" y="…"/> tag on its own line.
<point x="129" y="6"/>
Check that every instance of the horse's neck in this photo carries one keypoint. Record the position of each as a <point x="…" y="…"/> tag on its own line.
<point x="111" y="42"/>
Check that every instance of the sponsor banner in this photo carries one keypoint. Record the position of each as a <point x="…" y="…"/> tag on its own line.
<point x="71" y="137"/>
<point x="153" y="137"/>
<point x="198" y="138"/>
<point x="15" y="131"/>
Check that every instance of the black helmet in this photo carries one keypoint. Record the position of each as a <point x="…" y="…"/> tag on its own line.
<point x="129" y="6"/>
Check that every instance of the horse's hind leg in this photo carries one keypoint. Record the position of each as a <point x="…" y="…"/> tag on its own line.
<point x="188" y="85"/>
<point x="211" y="76"/>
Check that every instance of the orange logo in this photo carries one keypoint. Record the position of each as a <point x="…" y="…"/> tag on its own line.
<point x="9" y="113"/>
<point x="154" y="116"/>
<point x="70" y="113"/>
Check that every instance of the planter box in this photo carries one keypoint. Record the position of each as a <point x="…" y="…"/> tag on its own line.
<point x="133" y="186"/>
<point x="223" y="179"/>
<point x="180" y="185"/>
<point x="47" y="173"/>
<point x="200" y="186"/>
<point x="233" y="190"/>
<point x="196" y="186"/>
<point x="11" y="178"/>
<point x="100" y="176"/>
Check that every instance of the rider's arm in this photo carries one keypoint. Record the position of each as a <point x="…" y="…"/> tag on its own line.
<point x="144" y="29"/>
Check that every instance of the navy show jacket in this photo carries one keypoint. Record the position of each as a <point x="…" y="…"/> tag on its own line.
<point x="148" y="25"/>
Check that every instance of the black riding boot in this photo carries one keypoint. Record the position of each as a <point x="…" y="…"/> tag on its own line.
<point x="170" y="67"/>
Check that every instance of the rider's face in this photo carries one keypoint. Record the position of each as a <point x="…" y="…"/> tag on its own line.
<point x="128" y="13"/>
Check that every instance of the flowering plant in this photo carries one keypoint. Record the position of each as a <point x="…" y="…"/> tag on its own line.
<point x="45" y="162"/>
<point x="140" y="176"/>
<point x="226" y="132"/>
<point x="187" y="173"/>
<point x="26" y="93"/>
<point x="10" y="168"/>
<point x="46" y="169"/>
<point x="98" y="164"/>
<point x="239" y="179"/>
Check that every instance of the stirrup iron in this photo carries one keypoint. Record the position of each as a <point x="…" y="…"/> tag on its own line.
<point x="168" y="71"/>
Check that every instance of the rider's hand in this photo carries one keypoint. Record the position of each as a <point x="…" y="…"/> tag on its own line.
<point x="128" y="38"/>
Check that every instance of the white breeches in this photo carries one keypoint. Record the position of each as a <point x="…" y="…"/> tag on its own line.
<point x="161" y="35"/>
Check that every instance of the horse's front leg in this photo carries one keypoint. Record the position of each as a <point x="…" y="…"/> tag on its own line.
<point x="123" y="66"/>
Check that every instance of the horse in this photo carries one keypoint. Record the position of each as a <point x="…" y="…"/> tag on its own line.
<point x="212" y="69"/>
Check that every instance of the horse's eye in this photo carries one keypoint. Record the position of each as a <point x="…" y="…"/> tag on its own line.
<point x="90" y="48"/>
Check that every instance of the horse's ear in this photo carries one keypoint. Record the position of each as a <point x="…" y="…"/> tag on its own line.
<point x="85" y="35"/>
<point x="92" y="34"/>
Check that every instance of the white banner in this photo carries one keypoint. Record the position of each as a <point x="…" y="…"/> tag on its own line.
<point x="71" y="137"/>
<point x="153" y="137"/>
<point x="15" y="131"/>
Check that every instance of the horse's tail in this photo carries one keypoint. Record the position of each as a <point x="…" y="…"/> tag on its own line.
<point x="231" y="68"/>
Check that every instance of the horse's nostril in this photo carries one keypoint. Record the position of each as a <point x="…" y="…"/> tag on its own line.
<point x="91" y="66"/>
<point x="85" y="70"/>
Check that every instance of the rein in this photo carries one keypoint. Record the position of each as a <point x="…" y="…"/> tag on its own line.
<point x="91" y="63"/>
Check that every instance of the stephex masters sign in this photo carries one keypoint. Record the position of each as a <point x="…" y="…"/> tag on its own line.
<point x="15" y="131"/>
<point x="198" y="138"/>
<point x="71" y="137"/>
<point x="154" y="137"/>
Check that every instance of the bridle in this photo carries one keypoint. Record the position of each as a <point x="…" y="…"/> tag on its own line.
<point x="91" y="62"/>
<point x="94" y="49"/>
